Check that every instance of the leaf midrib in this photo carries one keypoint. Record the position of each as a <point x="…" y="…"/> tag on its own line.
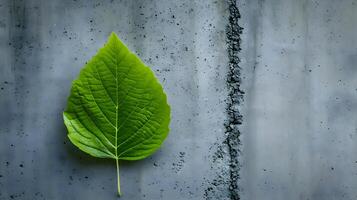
<point x="116" y="109"/>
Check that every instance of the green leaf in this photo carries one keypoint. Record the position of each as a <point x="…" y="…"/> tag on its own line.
<point x="117" y="108"/>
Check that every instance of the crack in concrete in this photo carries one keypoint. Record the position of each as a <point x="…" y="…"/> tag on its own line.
<point x="235" y="97"/>
<point x="228" y="151"/>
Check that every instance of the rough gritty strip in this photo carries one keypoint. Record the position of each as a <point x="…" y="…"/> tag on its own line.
<point x="235" y="97"/>
<point x="221" y="187"/>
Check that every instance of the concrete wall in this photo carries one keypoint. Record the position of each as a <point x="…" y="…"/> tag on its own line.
<point x="297" y="72"/>
<point x="299" y="136"/>
<point x="43" y="46"/>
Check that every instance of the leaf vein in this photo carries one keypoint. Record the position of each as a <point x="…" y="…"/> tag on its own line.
<point x="136" y="132"/>
<point x="102" y="83"/>
<point x="93" y="121"/>
<point x="101" y="110"/>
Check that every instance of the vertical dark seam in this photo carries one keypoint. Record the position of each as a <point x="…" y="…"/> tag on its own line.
<point x="235" y="97"/>
<point x="225" y="184"/>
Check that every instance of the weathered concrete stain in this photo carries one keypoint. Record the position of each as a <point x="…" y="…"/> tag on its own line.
<point x="228" y="151"/>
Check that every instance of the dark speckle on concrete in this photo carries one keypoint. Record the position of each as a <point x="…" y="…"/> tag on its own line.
<point x="229" y="150"/>
<point x="177" y="166"/>
<point x="44" y="46"/>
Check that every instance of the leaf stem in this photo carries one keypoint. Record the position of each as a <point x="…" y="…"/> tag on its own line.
<point x="118" y="177"/>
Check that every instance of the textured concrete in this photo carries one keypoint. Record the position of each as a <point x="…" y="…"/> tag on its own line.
<point x="298" y="140"/>
<point x="43" y="46"/>
<point x="299" y="135"/>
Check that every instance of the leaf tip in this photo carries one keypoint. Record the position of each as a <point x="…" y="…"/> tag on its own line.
<point x="113" y="37"/>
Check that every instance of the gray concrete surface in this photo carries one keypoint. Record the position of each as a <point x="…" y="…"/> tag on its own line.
<point x="43" y="46"/>
<point x="299" y="136"/>
<point x="299" y="132"/>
